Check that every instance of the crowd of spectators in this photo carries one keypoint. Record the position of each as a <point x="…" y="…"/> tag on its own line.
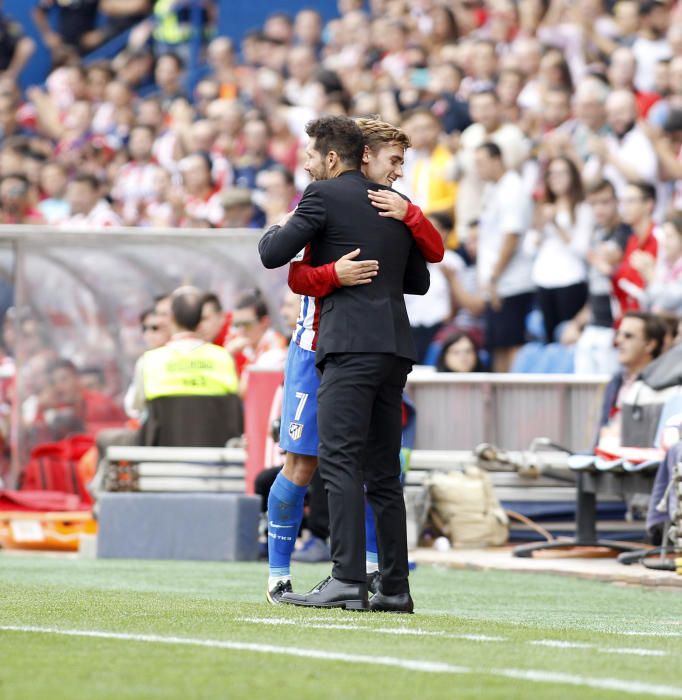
<point x="546" y="147"/>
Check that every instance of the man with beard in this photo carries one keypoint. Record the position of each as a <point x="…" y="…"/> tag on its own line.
<point x="364" y="350"/>
<point x="382" y="161"/>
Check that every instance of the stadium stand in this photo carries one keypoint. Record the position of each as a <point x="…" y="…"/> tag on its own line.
<point x="174" y="121"/>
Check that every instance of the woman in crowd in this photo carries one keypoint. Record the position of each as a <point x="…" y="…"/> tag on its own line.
<point x="564" y="225"/>
<point x="459" y="354"/>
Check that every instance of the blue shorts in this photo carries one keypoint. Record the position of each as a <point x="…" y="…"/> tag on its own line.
<point x="298" y="431"/>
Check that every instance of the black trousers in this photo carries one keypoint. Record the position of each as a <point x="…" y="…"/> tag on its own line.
<point x="560" y="304"/>
<point x="359" y="422"/>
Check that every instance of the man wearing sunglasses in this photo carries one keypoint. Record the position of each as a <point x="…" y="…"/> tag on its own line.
<point x="253" y="342"/>
<point x="639" y="341"/>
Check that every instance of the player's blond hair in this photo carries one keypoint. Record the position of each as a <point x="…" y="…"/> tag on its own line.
<point x="378" y="133"/>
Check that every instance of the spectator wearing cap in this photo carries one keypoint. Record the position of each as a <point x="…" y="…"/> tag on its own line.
<point x="239" y="210"/>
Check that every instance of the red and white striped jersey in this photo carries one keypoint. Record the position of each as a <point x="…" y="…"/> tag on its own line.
<point x="305" y="333"/>
<point x="136" y="182"/>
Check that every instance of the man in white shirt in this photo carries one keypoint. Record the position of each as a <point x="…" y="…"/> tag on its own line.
<point x="504" y="268"/>
<point x="487" y="116"/>
<point x="651" y="44"/>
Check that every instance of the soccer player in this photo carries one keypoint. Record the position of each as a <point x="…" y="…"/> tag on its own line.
<point x="382" y="162"/>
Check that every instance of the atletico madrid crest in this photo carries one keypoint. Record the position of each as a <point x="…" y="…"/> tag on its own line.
<point x="295" y="430"/>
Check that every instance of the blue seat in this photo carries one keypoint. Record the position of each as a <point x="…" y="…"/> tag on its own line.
<point x="556" y="359"/>
<point x="432" y="353"/>
<point x="528" y="358"/>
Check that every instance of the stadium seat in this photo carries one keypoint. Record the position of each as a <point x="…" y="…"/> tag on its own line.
<point x="528" y="358"/>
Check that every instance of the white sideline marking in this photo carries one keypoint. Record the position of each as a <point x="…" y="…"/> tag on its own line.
<point x="604" y="650"/>
<point x="651" y="634"/>
<point x="560" y="645"/>
<point x="631" y="650"/>
<point x="531" y="675"/>
<point x="416" y="632"/>
<point x="377" y="630"/>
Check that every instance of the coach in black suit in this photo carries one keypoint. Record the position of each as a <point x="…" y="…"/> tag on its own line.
<point x="364" y="352"/>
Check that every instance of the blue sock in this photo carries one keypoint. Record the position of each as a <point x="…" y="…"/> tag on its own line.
<point x="285" y="512"/>
<point x="371" y="549"/>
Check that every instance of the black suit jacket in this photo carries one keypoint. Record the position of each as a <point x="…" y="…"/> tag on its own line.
<point x="336" y="216"/>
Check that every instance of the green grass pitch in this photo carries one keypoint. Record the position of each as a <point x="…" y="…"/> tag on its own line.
<point x="126" y="629"/>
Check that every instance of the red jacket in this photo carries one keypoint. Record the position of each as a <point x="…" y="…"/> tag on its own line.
<point x="321" y="281"/>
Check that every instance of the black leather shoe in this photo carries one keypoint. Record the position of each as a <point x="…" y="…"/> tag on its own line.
<point x="331" y="593"/>
<point x="374" y="582"/>
<point x="401" y="603"/>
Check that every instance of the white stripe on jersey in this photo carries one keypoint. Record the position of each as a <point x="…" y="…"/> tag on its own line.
<point x="305" y="333"/>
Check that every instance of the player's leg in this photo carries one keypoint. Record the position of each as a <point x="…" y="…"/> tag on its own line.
<point x="298" y="436"/>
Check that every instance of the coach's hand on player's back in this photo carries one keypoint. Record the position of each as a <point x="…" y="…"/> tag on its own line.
<point x="352" y="272"/>
<point x="389" y="203"/>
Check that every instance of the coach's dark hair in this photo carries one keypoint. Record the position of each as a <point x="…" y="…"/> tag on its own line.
<point x="253" y="300"/>
<point x="186" y="306"/>
<point x="339" y="134"/>
<point x="492" y="149"/>
<point x="654" y="329"/>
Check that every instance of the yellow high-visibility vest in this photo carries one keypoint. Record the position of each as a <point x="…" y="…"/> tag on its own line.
<point x="205" y="370"/>
<point x="168" y="29"/>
